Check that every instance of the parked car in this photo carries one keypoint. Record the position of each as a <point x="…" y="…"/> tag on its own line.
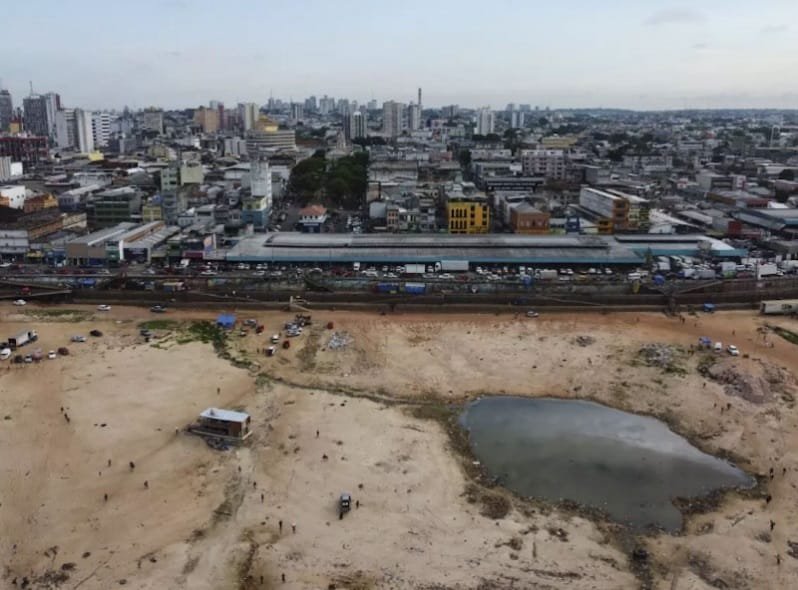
<point x="158" y="309"/>
<point x="5" y="354"/>
<point x="78" y="338"/>
<point x="28" y="359"/>
<point x="95" y="333"/>
<point x="733" y="350"/>
<point x="51" y="354"/>
<point x="103" y="307"/>
<point x="20" y="302"/>
<point x="532" y="314"/>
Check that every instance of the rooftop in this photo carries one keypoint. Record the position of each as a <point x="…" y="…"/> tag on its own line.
<point x="224" y="415"/>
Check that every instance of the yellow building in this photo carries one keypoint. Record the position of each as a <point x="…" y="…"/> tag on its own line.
<point x="151" y="212"/>
<point x="558" y="142"/>
<point x="265" y="125"/>
<point x="468" y="217"/>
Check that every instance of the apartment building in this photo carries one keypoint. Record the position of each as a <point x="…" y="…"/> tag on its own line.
<point x="542" y="162"/>
<point x="610" y="212"/>
<point x="468" y="215"/>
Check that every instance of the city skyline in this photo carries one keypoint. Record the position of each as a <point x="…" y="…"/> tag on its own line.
<point x="664" y="55"/>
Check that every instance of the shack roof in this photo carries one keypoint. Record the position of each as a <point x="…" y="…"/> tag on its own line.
<point x="224" y="415"/>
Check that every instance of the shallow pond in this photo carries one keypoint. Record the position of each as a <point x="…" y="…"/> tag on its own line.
<point x="630" y="466"/>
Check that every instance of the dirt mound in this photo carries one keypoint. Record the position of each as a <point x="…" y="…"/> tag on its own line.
<point x="758" y="384"/>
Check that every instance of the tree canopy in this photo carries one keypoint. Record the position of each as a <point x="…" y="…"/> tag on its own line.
<point x="340" y="183"/>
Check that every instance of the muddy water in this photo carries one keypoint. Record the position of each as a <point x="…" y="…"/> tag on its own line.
<point x="627" y="465"/>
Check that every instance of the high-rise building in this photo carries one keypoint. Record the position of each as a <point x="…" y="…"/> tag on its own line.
<point x="343" y="106"/>
<point x="52" y="101"/>
<point x="101" y="128"/>
<point x="152" y="120"/>
<point x="310" y="104"/>
<point x="65" y="128"/>
<point x="450" y="111"/>
<point x="255" y="209"/>
<point x="248" y="112"/>
<point x="485" y="121"/>
<point x="372" y="105"/>
<point x="35" y="115"/>
<point x="355" y="125"/>
<point x="6" y="110"/>
<point x="83" y="136"/>
<point x="296" y="112"/>
<point x="517" y="119"/>
<point x="208" y="118"/>
<point x="393" y="114"/>
<point x="414" y="117"/>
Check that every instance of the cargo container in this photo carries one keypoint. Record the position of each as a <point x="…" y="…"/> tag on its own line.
<point x="415" y="288"/>
<point x="415" y="269"/>
<point x="767" y="270"/>
<point x="22" y="338"/>
<point x="779" y="307"/>
<point x="454" y="265"/>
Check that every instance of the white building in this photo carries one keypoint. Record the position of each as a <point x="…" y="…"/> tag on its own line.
<point x="393" y="115"/>
<point x="355" y="125"/>
<point x="101" y="128"/>
<point x="249" y="113"/>
<point x="548" y="163"/>
<point x="65" y="128"/>
<point x="9" y="169"/>
<point x="84" y="137"/>
<point x="52" y="103"/>
<point x="517" y="119"/>
<point x="152" y="120"/>
<point x="486" y="122"/>
<point x="13" y="196"/>
<point x="414" y="117"/>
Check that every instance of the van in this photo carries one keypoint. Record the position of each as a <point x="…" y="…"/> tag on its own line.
<point x="718" y="347"/>
<point x="275" y="338"/>
<point x="356" y="266"/>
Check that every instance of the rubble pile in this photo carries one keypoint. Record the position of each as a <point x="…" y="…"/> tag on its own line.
<point x="757" y="384"/>
<point x="339" y="340"/>
<point x="659" y="355"/>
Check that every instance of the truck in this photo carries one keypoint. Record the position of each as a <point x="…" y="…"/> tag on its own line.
<point x="704" y="273"/>
<point x="779" y="307"/>
<point x="415" y="288"/>
<point x="415" y="269"/>
<point x="767" y="270"/>
<point x="454" y="265"/>
<point x="22" y="339"/>
<point x="548" y="274"/>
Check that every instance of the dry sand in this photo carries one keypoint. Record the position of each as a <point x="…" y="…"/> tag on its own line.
<point x="201" y="522"/>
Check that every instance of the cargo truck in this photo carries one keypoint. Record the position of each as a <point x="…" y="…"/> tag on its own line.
<point x="779" y="307"/>
<point x="22" y="339"/>
<point x="454" y="265"/>
<point x="415" y="269"/>
<point x="767" y="270"/>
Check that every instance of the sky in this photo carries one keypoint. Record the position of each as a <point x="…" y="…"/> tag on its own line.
<point x="641" y="54"/>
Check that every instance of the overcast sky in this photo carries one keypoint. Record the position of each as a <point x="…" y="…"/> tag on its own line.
<point x="646" y="54"/>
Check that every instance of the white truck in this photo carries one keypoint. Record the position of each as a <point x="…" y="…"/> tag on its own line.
<point x="548" y="274"/>
<point x="415" y="269"/>
<point x="454" y="265"/>
<point x="22" y="339"/>
<point x="767" y="270"/>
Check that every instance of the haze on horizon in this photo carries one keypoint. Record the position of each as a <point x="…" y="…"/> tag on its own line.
<point x="657" y="54"/>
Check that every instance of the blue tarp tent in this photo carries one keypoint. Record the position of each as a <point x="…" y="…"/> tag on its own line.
<point x="226" y="321"/>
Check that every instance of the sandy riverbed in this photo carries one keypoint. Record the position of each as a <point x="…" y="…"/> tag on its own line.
<point x="210" y="519"/>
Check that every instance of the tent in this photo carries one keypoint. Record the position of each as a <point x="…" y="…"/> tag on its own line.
<point x="226" y="321"/>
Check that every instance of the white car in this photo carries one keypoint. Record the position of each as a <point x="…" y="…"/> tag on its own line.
<point x="5" y="354"/>
<point x="103" y="307"/>
<point x="20" y="302"/>
<point x="733" y="350"/>
<point x="51" y="354"/>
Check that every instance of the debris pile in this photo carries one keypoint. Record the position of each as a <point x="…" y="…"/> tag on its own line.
<point x="584" y="340"/>
<point x="660" y="355"/>
<point x="757" y="384"/>
<point x="339" y="340"/>
<point x="218" y="444"/>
